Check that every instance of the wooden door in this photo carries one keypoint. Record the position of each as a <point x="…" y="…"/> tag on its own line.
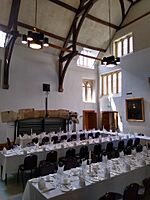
<point x="89" y="119"/>
<point x="110" y="120"/>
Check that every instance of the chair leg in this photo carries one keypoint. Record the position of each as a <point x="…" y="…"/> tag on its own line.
<point x="18" y="176"/>
<point x="22" y="177"/>
<point x="5" y="179"/>
<point x="1" y="171"/>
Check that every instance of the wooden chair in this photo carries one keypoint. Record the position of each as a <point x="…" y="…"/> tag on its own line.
<point x="131" y="192"/>
<point x="111" y="196"/>
<point x="30" y="164"/>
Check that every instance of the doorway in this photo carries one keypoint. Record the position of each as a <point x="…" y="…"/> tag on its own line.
<point x="89" y="119"/>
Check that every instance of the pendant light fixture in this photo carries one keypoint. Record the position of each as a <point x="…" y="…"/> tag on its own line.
<point x="111" y="60"/>
<point x="34" y="39"/>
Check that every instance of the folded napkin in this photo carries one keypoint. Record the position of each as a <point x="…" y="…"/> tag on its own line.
<point x="127" y="167"/>
<point x="106" y="172"/>
<point x="134" y="151"/>
<point x="60" y="170"/>
<point x="104" y="159"/>
<point x="4" y="150"/>
<point x="121" y="154"/>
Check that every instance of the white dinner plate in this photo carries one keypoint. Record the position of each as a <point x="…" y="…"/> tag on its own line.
<point x="35" y="180"/>
<point x="65" y="188"/>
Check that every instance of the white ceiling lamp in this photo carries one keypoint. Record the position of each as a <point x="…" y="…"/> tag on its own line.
<point x="110" y="61"/>
<point x="34" y="39"/>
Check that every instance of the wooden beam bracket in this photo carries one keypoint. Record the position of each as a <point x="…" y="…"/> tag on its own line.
<point x="11" y="37"/>
<point x="64" y="60"/>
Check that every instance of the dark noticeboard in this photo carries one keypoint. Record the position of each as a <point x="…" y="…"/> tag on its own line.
<point x="135" y="109"/>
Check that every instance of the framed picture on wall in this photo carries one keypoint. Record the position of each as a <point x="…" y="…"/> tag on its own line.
<point x="135" y="109"/>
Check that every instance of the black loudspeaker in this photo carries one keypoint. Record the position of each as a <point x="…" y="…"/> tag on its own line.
<point x="46" y="87"/>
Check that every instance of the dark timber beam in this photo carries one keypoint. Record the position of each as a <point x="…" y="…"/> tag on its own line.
<point x="122" y="8"/>
<point x="57" y="37"/>
<point x="132" y="4"/>
<point x="11" y="37"/>
<point x="64" y="60"/>
<point x="91" y="17"/>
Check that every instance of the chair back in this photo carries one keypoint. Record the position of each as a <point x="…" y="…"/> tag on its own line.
<point x="109" y="147"/>
<point x="70" y="153"/>
<point x="9" y="146"/>
<point x="35" y="140"/>
<point x="46" y="168"/>
<point x="97" y="149"/>
<point x="131" y="192"/>
<point x="54" y="139"/>
<point x="70" y="163"/>
<point x="82" y="136"/>
<point x="128" y="150"/>
<point x="84" y="152"/>
<point x="73" y="137"/>
<point x="51" y="157"/>
<point x="45" y="140"/>
<point x="90" y="135"/>
<point x="136" y="142"/>
<point x="139" y="148"/>
<point x="121" y="145"/>
<point x="147" y="189"/>
<point x="63" y="137"/>
<point x="97" y="134"/>
<point x="108" y="196"/>
<point x="30" y="162"/>
<point x="130" y="143"/>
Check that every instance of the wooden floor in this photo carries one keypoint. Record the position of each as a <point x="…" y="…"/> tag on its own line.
<point x="11" y="191"/>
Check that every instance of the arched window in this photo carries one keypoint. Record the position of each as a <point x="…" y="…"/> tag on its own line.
<point x="87" y="90"/>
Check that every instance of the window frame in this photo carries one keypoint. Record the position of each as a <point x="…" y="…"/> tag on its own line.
<point x="122" y="39"/>
<point x="86" y="83"/>
<point x="103" y="93"/>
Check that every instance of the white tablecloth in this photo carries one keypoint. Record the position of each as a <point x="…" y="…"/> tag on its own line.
<point x="93" y="190"/>
<point x="14" y="158"/>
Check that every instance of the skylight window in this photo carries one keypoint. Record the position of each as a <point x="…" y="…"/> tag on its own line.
<point x="85" y="61"/>
<point x="2" y="38"/>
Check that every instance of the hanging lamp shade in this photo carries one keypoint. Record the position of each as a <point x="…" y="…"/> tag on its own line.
<point x="35" y="39"/>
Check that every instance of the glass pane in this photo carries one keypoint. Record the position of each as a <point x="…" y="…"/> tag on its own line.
<point x="131" y="44"/>
<point x="89" y="93"/>
<point x="119" y="49"/>
<point x="109" y="84"/>
<point x="114" y="83"/>
<point x="119" y="82"/>
<point x="83" y="92"/>
<point x="125" y="46"/>
<point x="104" y="85"/>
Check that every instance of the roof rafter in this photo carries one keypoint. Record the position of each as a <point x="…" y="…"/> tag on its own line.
<point x="11" y="37"/>
<point x="91" y="17"/>
<point x="122" y="8"/>
<point x="60" y="38"/>
<point x="64" y="60"/>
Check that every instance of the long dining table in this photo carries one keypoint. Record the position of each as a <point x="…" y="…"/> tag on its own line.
<point x="11" y="159"/>
<point x="94" y="187"/>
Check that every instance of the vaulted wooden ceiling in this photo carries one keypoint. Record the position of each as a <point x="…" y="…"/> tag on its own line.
<point x="69" y="24"/>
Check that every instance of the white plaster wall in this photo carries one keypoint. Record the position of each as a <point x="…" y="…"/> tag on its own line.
<point x="140" y="28"/>
<point x="135" y="72"/>
<point x="28" y="71"/>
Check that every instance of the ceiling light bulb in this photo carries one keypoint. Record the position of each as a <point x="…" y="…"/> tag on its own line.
<point x="30" y="36"/>
<point x="45" y="42"/>
<point x="35" y="46"/>
<point x="24" y="39"/>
